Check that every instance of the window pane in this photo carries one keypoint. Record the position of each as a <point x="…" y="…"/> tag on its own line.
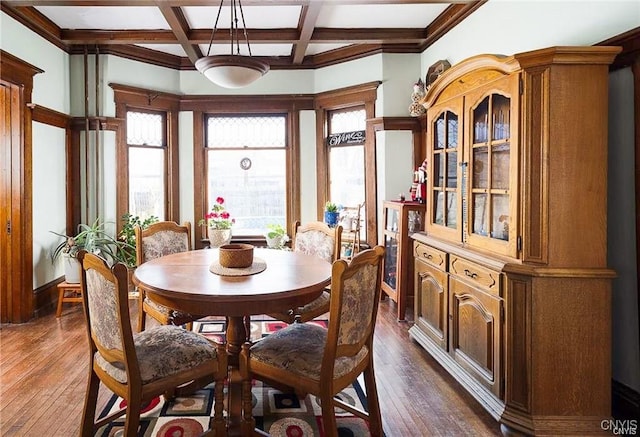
<point x="348" y="121"/>
<point x="146" y="182"/>
<point x="144" y="128"/>
<point x="237" y="132"/>
<point x="254" y="197"/>
<point x="347" y="175"/>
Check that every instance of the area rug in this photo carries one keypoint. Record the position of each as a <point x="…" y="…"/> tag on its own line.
<point x="278" y="413"/>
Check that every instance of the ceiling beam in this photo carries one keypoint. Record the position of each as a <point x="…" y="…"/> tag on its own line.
<point x="180" y="28"/>
<point x="308" y="19"/>
<point x="257" y="36"/>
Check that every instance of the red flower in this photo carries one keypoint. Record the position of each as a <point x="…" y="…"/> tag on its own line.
<point x="225" y="214"/>
<point x="220" y="200"/>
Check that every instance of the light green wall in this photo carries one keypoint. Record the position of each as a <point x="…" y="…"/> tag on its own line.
<point x="50" y="88"/>
<point x="308" y="183"/>
<point x="185" y="156"/>
<point x="274" y="82"/>
<point x="509" y="27"/>
<point x="48" y="199"/>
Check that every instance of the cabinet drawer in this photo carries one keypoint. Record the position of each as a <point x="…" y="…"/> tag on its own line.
<point x="481" y="277"/>
<point x="435" y="257"/>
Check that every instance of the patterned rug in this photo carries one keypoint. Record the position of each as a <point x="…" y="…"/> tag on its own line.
<point x="279" y="414"/>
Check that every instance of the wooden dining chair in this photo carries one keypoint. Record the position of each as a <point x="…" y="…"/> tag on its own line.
<point x="317" y="239"/>
<point x="159" y="239"/>
<point x="138" y="367"/>
<point x="324" y="361"/>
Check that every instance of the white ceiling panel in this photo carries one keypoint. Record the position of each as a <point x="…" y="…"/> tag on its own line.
<point x="105" y="17"/>
<point x="255" y="17"/>
<point x="380" y="16"/>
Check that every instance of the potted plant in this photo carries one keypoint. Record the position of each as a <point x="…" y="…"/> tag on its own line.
<point x="92" y="238"/>
<point x="276" y="236"/>
<point x="126" y="252"/>
<point x="218" y="222"/>
<point x="331" y="213"/>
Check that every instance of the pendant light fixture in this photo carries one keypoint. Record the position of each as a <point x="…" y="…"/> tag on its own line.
<point x="233" y="70"/>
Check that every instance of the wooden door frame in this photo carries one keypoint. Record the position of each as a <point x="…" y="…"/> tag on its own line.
<point x="20" y="299"/>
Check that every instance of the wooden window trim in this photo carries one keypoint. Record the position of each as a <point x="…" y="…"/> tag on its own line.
<point x="292" y="159"/>
<point x="128" y="98"/>
<point x="363" y="95"/>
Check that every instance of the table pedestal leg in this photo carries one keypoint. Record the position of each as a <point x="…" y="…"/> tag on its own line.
<point x="236" y="336"/>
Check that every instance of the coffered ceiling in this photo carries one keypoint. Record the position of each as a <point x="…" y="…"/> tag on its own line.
<point x="285" y="33"/>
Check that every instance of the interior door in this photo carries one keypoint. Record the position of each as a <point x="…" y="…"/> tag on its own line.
<point x="5" y="199"/>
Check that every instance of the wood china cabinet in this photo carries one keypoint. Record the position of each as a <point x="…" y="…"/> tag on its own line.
<point x="400" y="220"/>
<point x="512" y="289"/>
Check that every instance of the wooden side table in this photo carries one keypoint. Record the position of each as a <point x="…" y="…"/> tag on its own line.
<point x="68" y="293"/>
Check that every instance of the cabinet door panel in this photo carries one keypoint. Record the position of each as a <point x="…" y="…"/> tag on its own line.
<point x="444" y="153"/>
<point x="491" y="151"/>
<point x="431" y="302"/>
<point x="476" y="333"/>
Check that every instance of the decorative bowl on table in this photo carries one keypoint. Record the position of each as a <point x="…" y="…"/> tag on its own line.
<point x="236" y="255"/>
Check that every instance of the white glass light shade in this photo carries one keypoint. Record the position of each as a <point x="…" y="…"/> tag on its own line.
<point x="231" y="71"/>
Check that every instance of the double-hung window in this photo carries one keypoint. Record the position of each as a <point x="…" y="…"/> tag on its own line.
<point x="346" y="159"/>
<point x="246" y="164"/>
<point x="147" y="158"/>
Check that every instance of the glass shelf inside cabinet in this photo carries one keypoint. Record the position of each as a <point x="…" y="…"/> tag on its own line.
<point x="490" y="168"/>
<point x="390" y="261"/>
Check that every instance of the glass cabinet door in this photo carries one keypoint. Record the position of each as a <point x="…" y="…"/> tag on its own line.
<point x="445" y="164"/>
<point x="444" y="180"/>
<point x="491" y="167"/>
<point x="390" y="260"/>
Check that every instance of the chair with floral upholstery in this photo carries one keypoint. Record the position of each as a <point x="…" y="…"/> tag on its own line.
<point x="321" y="361"/>
<point x="160" y="239"/>
<point x="139" y="367"/>
<point x="317" y="239"/>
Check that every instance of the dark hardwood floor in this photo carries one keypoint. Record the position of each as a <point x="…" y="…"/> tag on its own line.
<point x="43" y="372"/>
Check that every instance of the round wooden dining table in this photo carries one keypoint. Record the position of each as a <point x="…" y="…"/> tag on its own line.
<point x="184" y="281"/>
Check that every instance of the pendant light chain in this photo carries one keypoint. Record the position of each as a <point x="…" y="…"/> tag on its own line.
<point x="215" y="27"/>
<point x="232" y="70"/>
<point x="244" y="26"/>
